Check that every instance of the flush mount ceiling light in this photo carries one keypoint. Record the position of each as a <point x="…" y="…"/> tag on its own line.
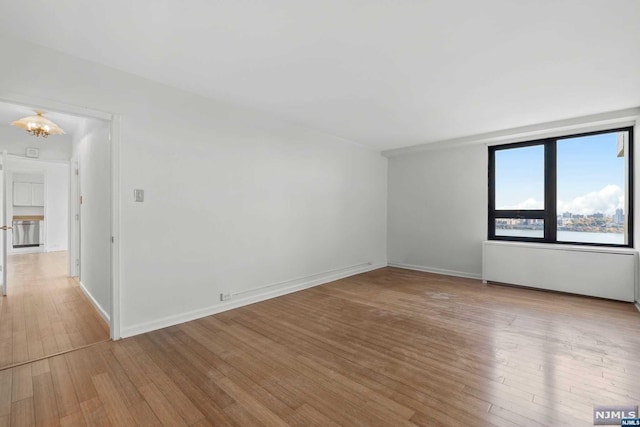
<point x="38" y="125"/>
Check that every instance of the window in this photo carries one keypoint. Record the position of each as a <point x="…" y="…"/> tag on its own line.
<point x="573" y="189"/>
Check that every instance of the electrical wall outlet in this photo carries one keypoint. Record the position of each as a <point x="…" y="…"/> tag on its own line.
<point x="224" y="297"/>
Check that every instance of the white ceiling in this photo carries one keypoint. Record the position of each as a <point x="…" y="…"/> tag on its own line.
<point x="385" y="74"/>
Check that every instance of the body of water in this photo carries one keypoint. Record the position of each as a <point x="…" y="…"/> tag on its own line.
<point x="569" y="236"/>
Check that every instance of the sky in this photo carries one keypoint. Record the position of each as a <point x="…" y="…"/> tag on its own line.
<point x="590" y="176"/>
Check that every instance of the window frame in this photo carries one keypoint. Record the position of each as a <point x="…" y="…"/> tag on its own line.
<point x="549" y="213"/>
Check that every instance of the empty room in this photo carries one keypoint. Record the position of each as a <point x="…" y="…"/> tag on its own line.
<point x="336" y="213"/>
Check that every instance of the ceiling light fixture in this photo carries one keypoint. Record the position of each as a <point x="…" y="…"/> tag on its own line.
<point x="38" y="125"/>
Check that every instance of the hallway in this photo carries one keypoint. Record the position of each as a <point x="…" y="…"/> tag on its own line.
<point x="45" y="312"/>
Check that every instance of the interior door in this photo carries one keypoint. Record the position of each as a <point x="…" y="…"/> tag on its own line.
<point x="4" y="221"/>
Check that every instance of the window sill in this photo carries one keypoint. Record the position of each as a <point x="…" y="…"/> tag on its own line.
<point x="563" y="247"/>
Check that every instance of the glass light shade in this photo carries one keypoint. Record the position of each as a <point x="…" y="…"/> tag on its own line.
<point x="38" y="125"/>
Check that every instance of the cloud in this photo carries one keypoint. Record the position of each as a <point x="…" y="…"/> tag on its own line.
<point x="530" y="203"/>
<point x="606" y="201"/>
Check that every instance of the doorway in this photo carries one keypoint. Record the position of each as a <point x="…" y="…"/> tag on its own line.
<point x="58" y="287"/>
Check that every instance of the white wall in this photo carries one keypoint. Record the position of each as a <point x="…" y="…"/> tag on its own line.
<point x="235" y="199"/>
<point x="56" y="211"/>
<point x="91" y="148"/>
<point x="438" y="210"/>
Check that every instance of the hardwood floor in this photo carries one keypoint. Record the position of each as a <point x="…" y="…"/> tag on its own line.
<point x="390" y="348"/>
<point x="44" y="312"/>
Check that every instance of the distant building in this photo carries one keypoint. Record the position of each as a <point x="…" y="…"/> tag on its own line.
<point x="618" y="217"/>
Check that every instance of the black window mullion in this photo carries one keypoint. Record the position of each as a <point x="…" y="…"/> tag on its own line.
<point x="550" y="179"/>
<point x="630" y="184"/>
<point x="492" y="194"/>
<point x="528" y="214"/>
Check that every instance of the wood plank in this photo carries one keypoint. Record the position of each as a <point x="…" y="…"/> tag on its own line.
<point x="163" y="382"/>
<point x="22" y="414"/>
<point x="115" y="407"/>
<point x="75" y="419"/>
<point x="244" y="399"/>
<point x="163" y="409"/>
<point x="22" y="383"/>
<point x="40" y="367"/>
<point x="66" y="397"/>
<point x="143" y="414"/>
<point x="5" y="392"/>
<point x="81" y="372"/>
<point x="94" y="413"/>
<point x="44" y="401"/>
<point x="307" y="415"/>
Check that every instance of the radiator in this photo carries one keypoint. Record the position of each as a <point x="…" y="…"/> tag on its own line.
<point x="595" y="271"/>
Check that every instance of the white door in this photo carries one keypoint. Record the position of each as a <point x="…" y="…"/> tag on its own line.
<point x="5" y="224"/>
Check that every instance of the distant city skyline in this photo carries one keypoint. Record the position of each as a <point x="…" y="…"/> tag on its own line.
<point x="590" y="176"/>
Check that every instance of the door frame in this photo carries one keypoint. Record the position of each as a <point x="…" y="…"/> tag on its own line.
<point x="5" y="232"/>
<point x="114" y="137"/>
<point x="74" y="219"/>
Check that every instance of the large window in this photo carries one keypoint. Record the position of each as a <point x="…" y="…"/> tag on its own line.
<point x="573" y="189"/>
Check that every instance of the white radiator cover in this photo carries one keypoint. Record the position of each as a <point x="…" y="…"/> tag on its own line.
<point x="595" y="271"/>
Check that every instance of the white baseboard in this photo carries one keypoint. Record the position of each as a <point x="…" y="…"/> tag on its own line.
<point x="294" y="286"/>
<point x="437" y="270"/>
<point x="98" y="307"/>
<point x="29" y="250"/>
<point x="637" y="303"/>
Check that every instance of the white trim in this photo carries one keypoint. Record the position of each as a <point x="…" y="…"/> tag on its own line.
<point x="74" y="225"/>
<point x="114" y="136"/>
<point x="637" y="304"/>
<point x="298" y="279"/>
<point x="571" y="126"/>
<point x="56" y="161"/>
<point x="27" y="250"/>
<point x="5" y="214"/>
<point x="303" y="283"/>
<point x="559" y="247"/>
<point x="436" y="270"/>
<point x="102" y="311"/>
<point x="60" y="107"/>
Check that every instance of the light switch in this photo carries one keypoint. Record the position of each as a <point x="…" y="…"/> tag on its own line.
<point x="138" y="195"/>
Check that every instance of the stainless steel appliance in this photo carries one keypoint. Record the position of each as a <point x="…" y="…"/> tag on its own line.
<point x="26" y="234"/>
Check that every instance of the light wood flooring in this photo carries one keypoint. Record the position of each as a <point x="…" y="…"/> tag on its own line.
<point x="389" y="348"/>
<point x="44" y="312"/>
